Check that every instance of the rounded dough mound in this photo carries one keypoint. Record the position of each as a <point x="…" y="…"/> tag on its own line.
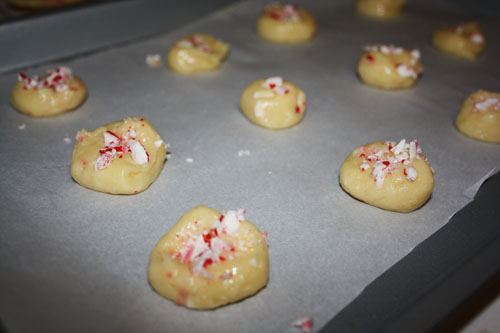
<point x="286" y="24"/>
<point x="479" y="116"/>
<point x="123" y="157"/>
<point x="389" y="67"/>
<point x="196" y="53"/>
<point x="464" y="40"/>
<point x="55" y="93"/>
<point x="273" y="103"/>
<point x="380" y="8"/>
<point x="209" y="259"/>
<point x="387" y="175"/>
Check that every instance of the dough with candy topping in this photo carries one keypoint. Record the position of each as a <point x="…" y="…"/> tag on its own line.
<point x="273" y="103"/>
<point x="389" y="67"/>
<point x="380" y="8"/>
<point x="463" y="40"/>
<point x="286" y="24"/>
<point x="57" y="92"/>
<point x="209" y="259"/>
<point x="479" y="116"/>
<point x="197" y="53"/>
<point x="122" y="157"/>
<point x="389" y="175"/>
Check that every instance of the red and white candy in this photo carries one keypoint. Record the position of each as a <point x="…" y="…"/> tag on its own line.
<point x="56" y="79"/>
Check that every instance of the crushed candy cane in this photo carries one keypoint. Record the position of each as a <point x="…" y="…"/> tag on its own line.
<point x="195" y="41"/>
<point x="476" y="38"/>
<point x="402" y="69"/>
<point x="383" y="163"/>
<point x="207" y="248"/>
<point x="305" y="323"/>
<point x="406" y="71"/>
<point x="67" y="140"/>
<point x="153" y="60"/>
<point x="276" y="85"/>
<point x="22" y="126"/>
<point x="283" y="12"/>
<point x="486" y="104"/>
<point x="56" y="79"/>
<point x="118" y="146"/>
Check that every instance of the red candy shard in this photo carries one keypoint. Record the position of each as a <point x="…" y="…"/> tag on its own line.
<point x="370" y="58"/>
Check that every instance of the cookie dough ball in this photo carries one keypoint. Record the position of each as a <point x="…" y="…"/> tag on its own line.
<point x="389" y="67"/>
<point x="389" y="175"/>
<point x="197" y="53"/>
<point x="380" y="8"/>
<point x="123" y="157"/>
<point x="209" y="259"/>
<point x="479" y="117"/>
<point x="464" y="40"/>
<point x="57" y="92"/>
<point x="273" y="103"/>
<point x="286" y="24"/>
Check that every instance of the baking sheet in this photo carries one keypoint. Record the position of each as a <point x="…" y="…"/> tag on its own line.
<point x="74" y="259"/>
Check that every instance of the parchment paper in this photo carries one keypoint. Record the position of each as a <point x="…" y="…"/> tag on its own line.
<point x="72" y="259"/>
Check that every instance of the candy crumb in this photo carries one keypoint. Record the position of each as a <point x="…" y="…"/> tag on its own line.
<point x="153" y="60"/>
<point x="67" y="140"/>
<point x="305" y="323"/>
<point x="189" y="160"/>
<point x="242" y="153"/>
<point x="22" y="126"/>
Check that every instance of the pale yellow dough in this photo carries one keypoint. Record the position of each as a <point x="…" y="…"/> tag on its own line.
<point x="464" y="40"/>
<point x="197" y="53"/>
<point x="124" y="173"/>
<point x="479" y="116"/>
<point x="380" y="8"/>
<point x="191" y="279"/>
<point x="391" y="188"/>
<point x="280" y="107"/>
<point x="286" y="24"/>
<point x="389" y="67"/>
<point x="46" y="101"/>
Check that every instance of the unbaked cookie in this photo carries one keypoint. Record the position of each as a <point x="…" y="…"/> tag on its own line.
<point x="463" y="40"/>
<point x="197" y="53"/>
<point x="57" y="92"/>
<point x="479" y="117"/>
<point x="273" y="103"/>
<point x="389" y="67"/>
<point x="209" y="259"/>
<point x="380" y="8"/>
<point x="123" y="157"/>
<point x="286" y="24"/>
<point x="388" y="175"/>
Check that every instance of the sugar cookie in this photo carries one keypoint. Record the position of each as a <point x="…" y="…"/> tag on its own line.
<point x="197" y="53"/>
<point x="463" y="40"/>
<point x="389" y="175"/>
<point x="380" y="8"/>
<point x="57" y="92"/>
<point x="209" y="259"/>
<point x="123" y="157"/>
<point x="286" y="24"/>
<point x="479" y="116"/>
<point x="273" y="103"/>
<point x="389" y="67"/>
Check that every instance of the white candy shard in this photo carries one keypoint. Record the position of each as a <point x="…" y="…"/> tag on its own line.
<point x="411" y="173"/>
<point x="477" y="38"/>
<point x="483" y="105"/>
<point x="139" y="154"/>
<point x="406" y="71"/>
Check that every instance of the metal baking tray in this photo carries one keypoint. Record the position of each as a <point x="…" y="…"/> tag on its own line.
<point x="58" y="278"/>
